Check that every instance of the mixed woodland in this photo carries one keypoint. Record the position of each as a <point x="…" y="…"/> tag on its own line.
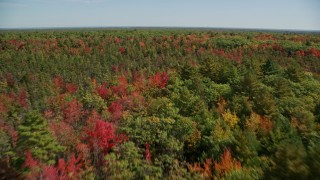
<point x="159" y="104"/>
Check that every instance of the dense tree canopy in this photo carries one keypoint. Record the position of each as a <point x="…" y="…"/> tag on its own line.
<point x="159" y="104"/>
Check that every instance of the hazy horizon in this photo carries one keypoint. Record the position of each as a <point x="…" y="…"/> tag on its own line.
<point x="158" y="28"/>
<point x="229" y="14"/>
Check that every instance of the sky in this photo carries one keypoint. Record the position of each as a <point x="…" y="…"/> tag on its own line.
<point x="260" y="14"/>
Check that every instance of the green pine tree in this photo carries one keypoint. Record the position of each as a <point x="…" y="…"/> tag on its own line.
<point x="269" y="68"/>
<point x="35" y="136"/>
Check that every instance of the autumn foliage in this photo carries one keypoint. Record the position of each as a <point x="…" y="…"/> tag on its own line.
<point x="226" y="164"/>
<point x="159" y="80"/>
<point x="159" y="104"/>
<point x="103" y="135"/>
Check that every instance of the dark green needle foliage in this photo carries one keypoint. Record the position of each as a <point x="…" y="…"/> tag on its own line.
<point x="35" y="136"/>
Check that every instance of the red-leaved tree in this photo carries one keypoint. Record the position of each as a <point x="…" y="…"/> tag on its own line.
<point x="115" y="109"/>
<point x="103" y="136"/>
<point x="58" y="82"/>
<point x="121" y="88"/>
<point x="103" y="91"/>
<point x="122" y="50"/>
<point x="72" y="111"/>
<point x="159" y="80"/>
<point x="64" y="133"/>
<point x="71" y="88"/>
<point x="32" y="165"/>
<point x="22" y="98"/>
<point x="62" y="171"/>
<point x="147" y="153"/>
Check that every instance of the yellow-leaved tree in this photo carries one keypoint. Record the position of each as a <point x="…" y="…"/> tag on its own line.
<point x="230" y="118"/>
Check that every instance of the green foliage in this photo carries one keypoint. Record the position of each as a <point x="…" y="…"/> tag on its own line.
<point x="129" y="164"/>
<point x="231" y="42"/>
<point x="292" y="46"/>
<point x="165" y="133"/>
<point x="174" y="100"/>
<point x="187" y="102"/>
<point x="247" y="147"/>
<point x="294" y="73"/>
<point x="264" y="102"/>
<point x="34" y="136"/>
<point x="241" y="106"/>
<point x="93" y="101"/>
<point x="219" y="70"/>
<point x="313" y="160"/>
<point x="213" y="92"/>
<point x="5" y="144"/>
<point x="289" y="163"/>
<point x="269" y="68"/>
<point x="241" y="174"/>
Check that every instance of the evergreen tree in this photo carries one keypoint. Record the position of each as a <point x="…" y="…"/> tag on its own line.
<point x="269" y="68"/>
<point x="289" y="163"/>
<point x="35" y="136"/>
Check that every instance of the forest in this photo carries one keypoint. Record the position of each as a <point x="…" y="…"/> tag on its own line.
<point x="159" y="104"/>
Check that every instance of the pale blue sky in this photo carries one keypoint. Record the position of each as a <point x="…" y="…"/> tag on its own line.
<point x="267" y="14"/>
